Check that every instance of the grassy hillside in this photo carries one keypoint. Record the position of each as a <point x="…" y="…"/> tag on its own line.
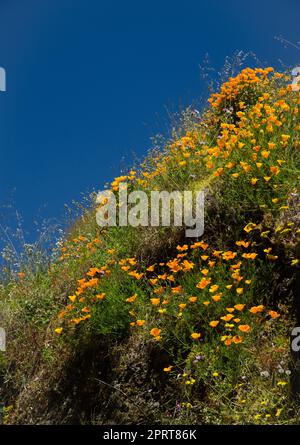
<point x="143" y="325"/>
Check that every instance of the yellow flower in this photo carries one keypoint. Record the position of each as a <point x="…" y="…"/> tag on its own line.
<point x="214" y="323"/>
<point x="265" y="154"/>
<point x="199" y="244"/>
<point x="136" y="275"/>
<point x="176" y="290"/>
<point x="228" y="341"/>
<point x="182" y="248"/>
<point x="195" y="335"/>
<point x="256" y="309"/>
<point x="132" y="298"/>
<point x="168" y="369"/>
<point x="239" y="290"/>
<point x="218" y="172"/>
<point x="159" y="290"/>
<point x="245" y="166"/>
<point x="132" y="261"/>
<point x="229" y="165"/>
<point x="265" y="234"/>
<point x="213" y="288"/>
<point x="272" y="257"/>
<point x="93" y="271"/>
<point x="162" y="277"/>
<point x="227" y="317"/>
<point x="203" y="283"/>
<point x="187" y="405"/>
<point x="274" y="170"/>
<point x="188" y="265"/>
<point x="244" y="328"/>
<point x="193" y="299"/>
<point x="155" y="332"/>
<point x="249" y="227"/>
<point x="140" y="322"/>
<point x="217" y="297"/>
<point x="273" y="314"/>
<point x="239" y="307"/>
<point x="249" y="256"/>
<point x="174" y="266"/>
<point x="162" y="311"/>
<point x="229" y="255"/>
<point x="58" y="330"/>
<point x="155" y="301"/>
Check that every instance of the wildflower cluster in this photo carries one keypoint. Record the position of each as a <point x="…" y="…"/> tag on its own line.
<point x="207" y="299"/>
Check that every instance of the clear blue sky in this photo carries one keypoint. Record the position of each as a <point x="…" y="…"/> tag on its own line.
<point x="88" y="82"/>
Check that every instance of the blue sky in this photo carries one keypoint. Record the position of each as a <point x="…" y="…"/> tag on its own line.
<point x="88" y="83"/>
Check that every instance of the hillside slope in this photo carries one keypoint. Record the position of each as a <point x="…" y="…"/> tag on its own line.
<point x="143" y="325"/>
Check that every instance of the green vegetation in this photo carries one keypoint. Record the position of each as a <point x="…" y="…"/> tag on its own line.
<point x="143" y="325"/>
